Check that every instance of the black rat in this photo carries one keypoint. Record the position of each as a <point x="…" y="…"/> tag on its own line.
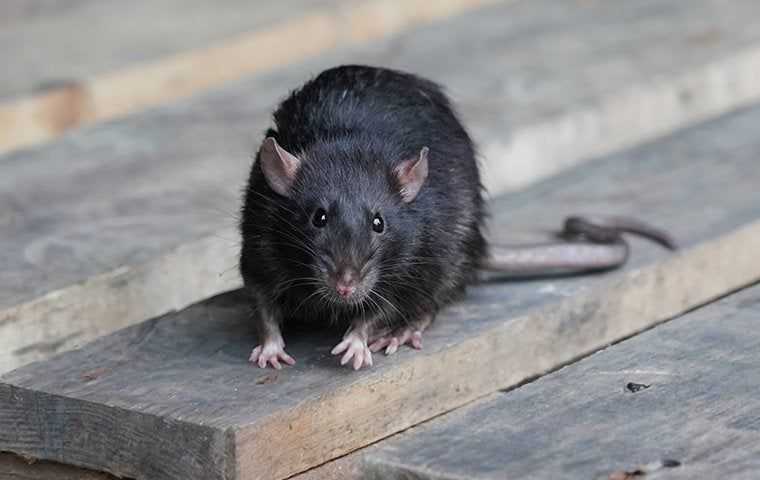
<point x="364" y="206"/>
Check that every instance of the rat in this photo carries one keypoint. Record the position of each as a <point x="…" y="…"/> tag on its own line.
<point x="364" y="207"/>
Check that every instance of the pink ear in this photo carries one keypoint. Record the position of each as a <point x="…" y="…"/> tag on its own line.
<point x="411" y="175"/>
<point x="279" y="166"/>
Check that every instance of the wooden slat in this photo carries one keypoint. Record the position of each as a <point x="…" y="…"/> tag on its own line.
<point x="45" y="44"/>
<point x="13" y="467"/>
<point x="698" y="406"/>
<point x="16" y="468"/>
<point x="125" y="221"/>
<point x="160" y="52"/>
<point x="188" y="405"/>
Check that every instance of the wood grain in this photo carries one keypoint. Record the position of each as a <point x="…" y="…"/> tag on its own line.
<point x="187" y="403"/>
<point x="556" y="83"/>
<point x="697" y="405"/>
<point x="300" y="31"/>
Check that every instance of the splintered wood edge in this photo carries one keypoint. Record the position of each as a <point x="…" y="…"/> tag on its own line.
<point x="37" y="118"/>
<point x="428" y="385"/>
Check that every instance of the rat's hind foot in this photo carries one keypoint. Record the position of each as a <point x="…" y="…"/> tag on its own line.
<point x="355" y="346"/>
<point x="271" y="353"/>
<point x="408" y="335"/>
<point x="401" y="336"/>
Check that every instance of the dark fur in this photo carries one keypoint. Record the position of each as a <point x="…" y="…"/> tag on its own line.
<point x="351" y="126"/>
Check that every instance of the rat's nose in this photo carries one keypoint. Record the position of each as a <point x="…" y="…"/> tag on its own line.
<point x="347" y="279"/>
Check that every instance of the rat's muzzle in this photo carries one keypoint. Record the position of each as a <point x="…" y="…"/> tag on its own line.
<point x="346" y="281"/>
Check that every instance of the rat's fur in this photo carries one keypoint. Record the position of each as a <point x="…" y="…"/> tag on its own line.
<point x="351" y="126"/>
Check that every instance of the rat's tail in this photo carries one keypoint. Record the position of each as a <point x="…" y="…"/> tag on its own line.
<point x="588" y="246"/>
<point x="609" y="229"/>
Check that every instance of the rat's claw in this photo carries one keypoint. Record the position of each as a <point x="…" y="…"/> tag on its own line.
<point x="379" y="344"/>
<point x="341" y="347"/>
<point x="417" y="340"/>
<point x="270" y="353"/>
<point x="355" y="347"/>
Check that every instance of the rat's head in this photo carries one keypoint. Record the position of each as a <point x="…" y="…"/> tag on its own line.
<point x="350" y="212"/>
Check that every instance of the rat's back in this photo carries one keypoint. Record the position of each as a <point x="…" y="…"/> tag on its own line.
<point x="371" y="102"/>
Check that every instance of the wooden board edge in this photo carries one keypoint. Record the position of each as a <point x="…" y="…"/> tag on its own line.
<point x="213" y="455"/>
<point x="70" y="317"/>
<point x="625" y="118"/>
<point x="15" y="467"/>
<point x="350" y="418"/>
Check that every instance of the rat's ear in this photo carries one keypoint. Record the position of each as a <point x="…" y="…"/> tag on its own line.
<point x="411" y="175"/>
<point x="279" y="166"/>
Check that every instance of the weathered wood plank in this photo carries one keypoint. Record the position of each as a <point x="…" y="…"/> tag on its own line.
<point x="155" y="52"/>
<point x="42" y="43"/>
<point x="180" y="383"/>
<point x="13" y="467"/>
<point x="557" y="81"/>
<point x="697" y="405"/>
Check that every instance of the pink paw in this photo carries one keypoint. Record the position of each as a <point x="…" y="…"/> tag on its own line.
<point x="271" y="353"/>
<point x="402" y="336"/>
<point x="355" y="347"/>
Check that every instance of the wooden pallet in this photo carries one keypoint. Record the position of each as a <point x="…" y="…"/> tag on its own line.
<point x="557" y="81"/>
<point x="173" y="397"/>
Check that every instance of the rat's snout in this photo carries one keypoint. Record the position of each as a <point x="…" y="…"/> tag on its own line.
<point x="346" y="281"/>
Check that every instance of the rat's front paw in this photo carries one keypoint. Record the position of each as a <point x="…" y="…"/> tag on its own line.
<point x="270" y="353"/>
<point x="355" y="347"/>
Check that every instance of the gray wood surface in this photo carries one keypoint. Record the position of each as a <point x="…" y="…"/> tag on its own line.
<point x="128" y="220"/>
<point x="153" y="53"/>
<point x="701" y="409"/>
<point x="174" y="397"/>
<point x="43" y="43"/>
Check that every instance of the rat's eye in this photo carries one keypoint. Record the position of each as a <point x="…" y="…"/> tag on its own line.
<point x="320" y="218"/>
<point x="378" y="225"/>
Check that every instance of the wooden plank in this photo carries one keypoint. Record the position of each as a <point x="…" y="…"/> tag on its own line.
<point x="697" y="406"/>
<point x="604" y="375"/>
<point x="156" y="55"/>
<point x="188" y="405"/>
<point x="43" y="43"/>
<point x="13" y="467"/>
<point x="72" y="269"/>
